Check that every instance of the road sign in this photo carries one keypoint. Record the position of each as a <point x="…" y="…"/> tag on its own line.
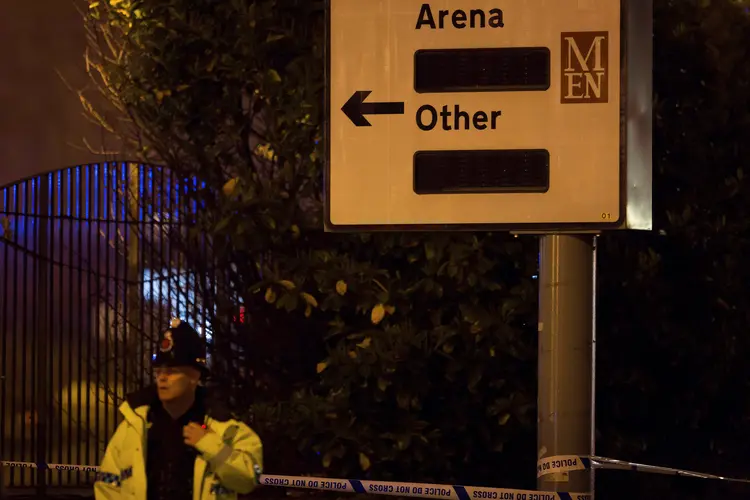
<point x="473" y="112"/>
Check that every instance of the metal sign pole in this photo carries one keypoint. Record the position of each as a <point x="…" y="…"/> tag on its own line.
<point x="565" y="382"/>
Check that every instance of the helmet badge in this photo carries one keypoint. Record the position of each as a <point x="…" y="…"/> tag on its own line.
<point x="167" y="343"/>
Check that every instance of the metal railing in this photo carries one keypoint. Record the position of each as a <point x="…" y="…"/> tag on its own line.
<point x="88" y="276"/>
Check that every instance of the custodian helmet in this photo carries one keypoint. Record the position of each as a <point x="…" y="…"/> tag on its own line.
<point x="181" y="345"/>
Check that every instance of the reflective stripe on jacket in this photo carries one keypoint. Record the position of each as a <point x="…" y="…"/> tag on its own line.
<point x="230" y="460"/>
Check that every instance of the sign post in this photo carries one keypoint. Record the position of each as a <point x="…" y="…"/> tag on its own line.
<point x="566" y="357"/>
<point x="532" y="117"/>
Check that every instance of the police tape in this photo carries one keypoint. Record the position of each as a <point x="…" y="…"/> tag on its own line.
<point x="43" y="466"/>
<point x="545" y="466"/>
<point x="389" y="488"/>
<point x="417" y="490"/>
<point x="570" y="463"/>
<point x="561" y="463"/>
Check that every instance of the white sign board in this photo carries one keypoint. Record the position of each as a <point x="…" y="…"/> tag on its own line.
<point x="473" y="112"/>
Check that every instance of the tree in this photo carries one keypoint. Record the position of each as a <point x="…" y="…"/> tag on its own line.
<point x="400" y="355"/>
<point x="408" y="338"/>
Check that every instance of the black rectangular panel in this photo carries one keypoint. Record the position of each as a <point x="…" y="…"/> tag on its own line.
<point x="482" y="70"/>
<point x="485" y="171"/>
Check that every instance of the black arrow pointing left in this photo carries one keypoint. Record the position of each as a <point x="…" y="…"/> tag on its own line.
<point x="356" y="108"/>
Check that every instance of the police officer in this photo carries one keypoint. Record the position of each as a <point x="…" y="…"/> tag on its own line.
<point x="174" y="443"/>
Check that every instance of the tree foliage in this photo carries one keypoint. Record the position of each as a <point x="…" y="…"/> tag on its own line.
<point x="412" y="355"/>
<point x="398" y="355"/>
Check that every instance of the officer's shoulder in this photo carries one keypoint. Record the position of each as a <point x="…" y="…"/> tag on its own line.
<point x="233" y="425"/>
<point x="239" y="430"/>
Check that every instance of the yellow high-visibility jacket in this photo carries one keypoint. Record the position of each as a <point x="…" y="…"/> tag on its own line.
<point x="229" y="462"/>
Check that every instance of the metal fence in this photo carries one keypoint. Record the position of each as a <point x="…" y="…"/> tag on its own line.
<point x="88" y="276"/>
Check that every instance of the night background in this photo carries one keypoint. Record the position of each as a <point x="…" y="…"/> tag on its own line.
<point x="392" y="356"/>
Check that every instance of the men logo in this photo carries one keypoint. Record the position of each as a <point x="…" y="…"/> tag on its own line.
<point x="584" y="69"/>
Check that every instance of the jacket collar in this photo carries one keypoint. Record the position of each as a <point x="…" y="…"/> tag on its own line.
<point x="136" y="406"/>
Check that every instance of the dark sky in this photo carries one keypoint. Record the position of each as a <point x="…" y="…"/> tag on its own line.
<point x="39" y="116"/>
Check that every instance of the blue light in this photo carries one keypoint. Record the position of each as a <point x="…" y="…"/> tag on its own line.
<point x="54" y="189"/>
<point x="95" y="191"/>
<point x="78" y="188"/>
<point x="32" y="205"/>
<point x="194" y="204"/>
<point x="179" y="293"/>
<point x="151" y="190"/>
<point x="141" y="189"/>
<point x="87" y="176"/>
<point x="105" y="191"/>
<point x="125" y="191"/>
<point x="69" y="199"/>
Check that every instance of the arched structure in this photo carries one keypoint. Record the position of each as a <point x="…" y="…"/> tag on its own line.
<point x="87" y="277"/>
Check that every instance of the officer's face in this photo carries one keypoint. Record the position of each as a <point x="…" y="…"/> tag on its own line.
<point x="174" y="383"/>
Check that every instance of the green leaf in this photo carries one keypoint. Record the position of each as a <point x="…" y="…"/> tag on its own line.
<point x="429" y="250"/>
<point x="274" y="76"/>
<point x="403" y="400"/>
<point x="288" y="302"/>
<point x="364" y="462"/>
<point x="403" y="442"/>
<point x="274" y="37"/>
<point x="383" y="384"/>
<point x="222" y="224"/>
